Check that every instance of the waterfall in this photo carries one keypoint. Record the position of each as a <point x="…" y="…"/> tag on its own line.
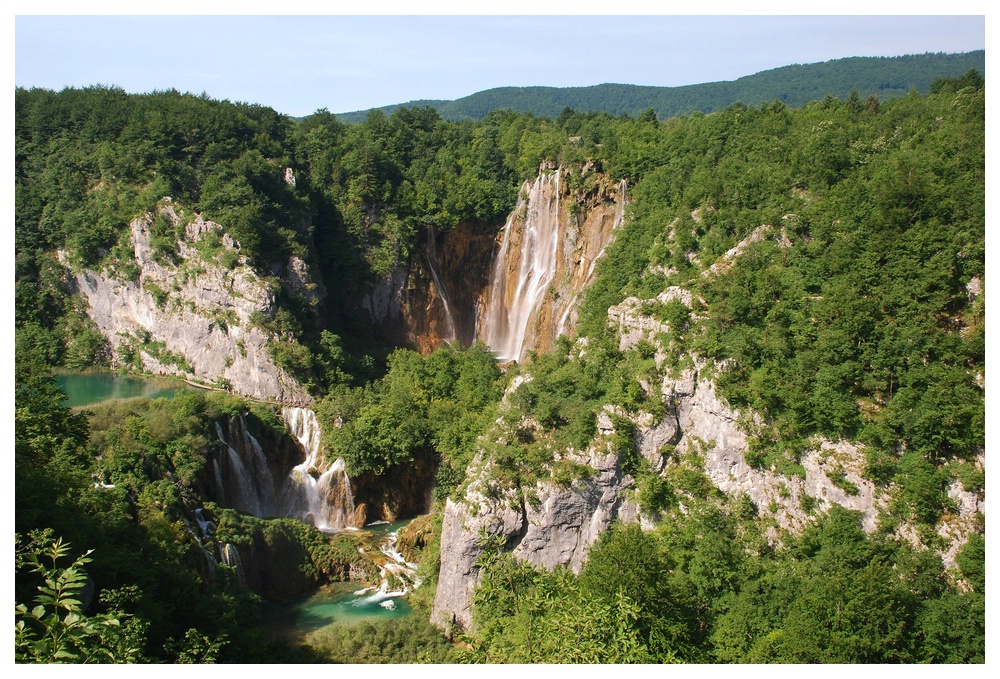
<point x="245" y="478"/>
<point x="205" y="529"/>
<point x="315" y="492"/>
<point x="513" y="302"/>
<point x="544" y="264"/>
<point x="396" y="568"/>
<point x="442" y="292"/>
<point x="231" y="558"/>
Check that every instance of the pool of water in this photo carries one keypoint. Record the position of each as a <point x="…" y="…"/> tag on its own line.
<point x="380" y="529"/>
<point x="338" y="602"/>
<point x="342" y="602"/>
<point x="90" y="388"/>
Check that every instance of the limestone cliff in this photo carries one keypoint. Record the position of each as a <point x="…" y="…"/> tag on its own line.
<point x="197" y="316"/>
<point x="832" y="471"/>
<point x="549" y="524"/>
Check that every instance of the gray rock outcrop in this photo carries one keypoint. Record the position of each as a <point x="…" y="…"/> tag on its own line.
<point x="547" y="525"/>
<point x="195" y="318"/>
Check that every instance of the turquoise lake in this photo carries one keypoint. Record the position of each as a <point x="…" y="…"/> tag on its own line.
<point x="90" y="388"/>
<point x="333" y="603"/>
<point x="337" y="602"/>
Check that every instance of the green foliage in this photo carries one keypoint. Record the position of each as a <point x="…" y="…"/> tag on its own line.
<point x="525" y="615"/>
<point x="846" y="315"/>
<point x="56" y="630"/>
<point x="119" y="477"/>
<point x="840" y="480"/>
<point x="402" y="640"/>
<point x="838" y="595"/>
<point x="440" y="403"/>
<point x="195" y="647"/>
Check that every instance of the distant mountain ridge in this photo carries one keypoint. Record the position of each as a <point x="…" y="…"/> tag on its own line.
<point x="795" y="85"/>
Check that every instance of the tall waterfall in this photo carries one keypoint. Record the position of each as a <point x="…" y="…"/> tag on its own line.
<point x="547" y="258"/>
<point x="316" y="492"/>
<point x="512" y="302"/>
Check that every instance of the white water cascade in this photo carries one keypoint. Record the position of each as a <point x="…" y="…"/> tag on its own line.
<point x="316" y="492"/>
<point x="231" y="557"/>
<point x="513" y="302"/>
<point x="394" y="572"/>
<point x="247" y="476"/>
<point x="441" y="291"/>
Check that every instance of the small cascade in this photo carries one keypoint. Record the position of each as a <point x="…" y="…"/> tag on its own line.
<point x="243" y="473"/>
<point x="441" y="290"/>
<point x="395" y="572"/>
<point x="205" y="528"/>
<point x="231" y="557"/>
<point x="513" y="302"/>
<point x="316" y="493"/>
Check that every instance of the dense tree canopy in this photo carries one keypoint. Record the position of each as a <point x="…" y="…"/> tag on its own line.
<point x="854" y="310"/>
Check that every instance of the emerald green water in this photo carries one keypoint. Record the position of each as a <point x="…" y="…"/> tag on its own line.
<point x="88" y="389"/>
<point x="333" y="603"/>
<point x="338" y="602"/>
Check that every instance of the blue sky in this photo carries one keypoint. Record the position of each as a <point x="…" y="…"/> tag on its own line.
<point x="297" y="64"/>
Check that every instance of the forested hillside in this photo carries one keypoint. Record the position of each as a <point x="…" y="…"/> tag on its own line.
<point x="795" y="85"/>
<point x="820" y="267"/>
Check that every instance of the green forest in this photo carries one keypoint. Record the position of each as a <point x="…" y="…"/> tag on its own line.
<point x="795" y="85"/>
<point x="864" y="321"/>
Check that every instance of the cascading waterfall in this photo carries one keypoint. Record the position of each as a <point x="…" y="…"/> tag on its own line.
<point x="512" y="303"/>
<point x="245" y="476"/>
<point x="205" y="529"/>
<point x="441" y="291"/>
<point x="231" y="558"/>
<point x="206" y="526"/>
<point x="315" y="492"/>
<point x="394" y="572"/>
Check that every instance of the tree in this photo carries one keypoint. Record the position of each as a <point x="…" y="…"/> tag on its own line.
<point x="626" y="562"/>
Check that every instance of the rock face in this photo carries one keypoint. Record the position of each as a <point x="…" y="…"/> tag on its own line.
<point x="405" y="490"/>
<point x="194" y="317"/>
<point x="436" y="299"/>
<point x="701" y="419"/>
<point x="550" y="526"/>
